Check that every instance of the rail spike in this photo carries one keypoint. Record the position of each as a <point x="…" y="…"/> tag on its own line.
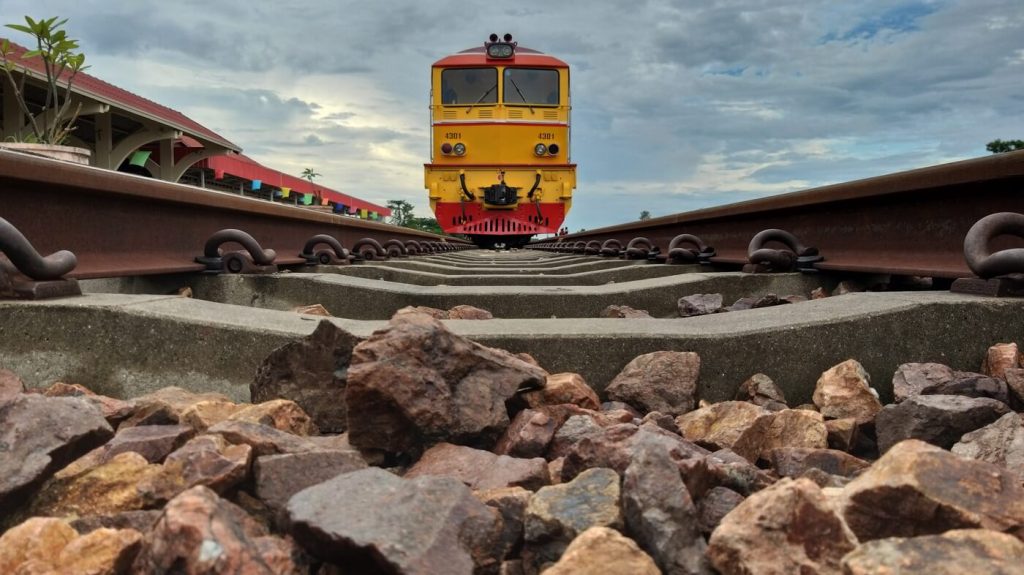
<point x="395" y="249"/>
<point x="253" y="260"/>
<point x="640" y="249"/>
<point x="368" y="249"/>
<point x="988" y="265"/>
<point x="801" y="258"/>
<point x="44" y="273"/>
<point x="611" y="248"/>
<point x="593" y="248"/>
<point x="413" y="247"/>
<point x="579" y="247"/>
<point x="680" y="255"/>
<point x="337" y="255"/>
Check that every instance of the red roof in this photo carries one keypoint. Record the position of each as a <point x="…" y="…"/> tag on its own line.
<point x="242" y="166"/>
<point x="110" y="94"/>
<point x="522" y="57"/>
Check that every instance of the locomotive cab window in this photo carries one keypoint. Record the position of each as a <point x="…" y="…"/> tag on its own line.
<point x="531" y="87"/>
<point x="468" y="86"/>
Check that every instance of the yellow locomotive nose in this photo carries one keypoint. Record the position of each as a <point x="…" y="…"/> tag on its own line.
<point x="500" y="167"/>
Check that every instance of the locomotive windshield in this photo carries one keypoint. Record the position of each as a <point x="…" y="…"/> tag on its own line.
<point x="531" y="86"/>
<point x="469" y="86"/>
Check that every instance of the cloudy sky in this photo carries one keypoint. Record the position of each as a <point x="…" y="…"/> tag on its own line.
<point x="677" y="105"/>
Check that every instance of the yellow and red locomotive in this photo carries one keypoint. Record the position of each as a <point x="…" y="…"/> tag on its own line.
<point x="500" y="169"/>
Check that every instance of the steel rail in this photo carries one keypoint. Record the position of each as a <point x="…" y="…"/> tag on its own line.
<point x="123" y="225"/>
<point x="906" y="223"/>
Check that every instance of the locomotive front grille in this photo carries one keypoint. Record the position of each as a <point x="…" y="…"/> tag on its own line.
<point x="501" y="195"/>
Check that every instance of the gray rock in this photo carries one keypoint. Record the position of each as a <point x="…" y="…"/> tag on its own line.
<point x="716" y="504"/>
<point x="11" y="385"/>
<point x="313" y="373"/>
<point x="938" y="419"/>
<point x="480" y="469"/>
<point x="1000" y="442"/>
<point x="660" y="515"/>
<point x="40" y="435"/>
<point x="759" y="389"/>
<point x="371" y="521"/>
<point x="700" y="304"/>
<point x="414" y="384"/>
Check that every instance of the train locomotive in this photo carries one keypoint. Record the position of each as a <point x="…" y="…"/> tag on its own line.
<point x="500" y="169"/>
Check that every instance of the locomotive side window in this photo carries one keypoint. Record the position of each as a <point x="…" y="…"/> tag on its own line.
<point x="531" y="86"/>
<point x="467" y="86"/>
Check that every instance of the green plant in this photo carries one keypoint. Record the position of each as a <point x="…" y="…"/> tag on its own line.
<point x="61" y="63"/>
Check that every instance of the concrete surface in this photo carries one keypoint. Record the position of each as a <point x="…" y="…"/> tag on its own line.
<point x="619" y="274"/>
<point x="126" y="345"/>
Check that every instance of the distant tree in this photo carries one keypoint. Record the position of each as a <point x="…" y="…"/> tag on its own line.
<point x="401" y="212"/>
<point x="645" y="215"/>
<point x="309" y="174"/>
<point x="424" y="224"/>
<point x="999" y="146"/>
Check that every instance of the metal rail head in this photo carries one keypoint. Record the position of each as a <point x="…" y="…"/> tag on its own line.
<point x="395" y="249"/>
<point x="28" y="261"/>
<point x="611" y="248"/>
<point x="254" y="259"/>
<point x="369" y="249"/>
<point x="988" y="265"/>
<point x="680" y="255"/>
<point x="801" y="257"/>
<point x="336" y="255"/>
<point x="640" y="249"/>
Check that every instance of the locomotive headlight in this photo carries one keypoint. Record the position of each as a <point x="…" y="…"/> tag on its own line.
<point x="459" y="149"/>
<point x="500" y="50"/>
<point x="553" y="149"/>
<point x="540" y="149"/>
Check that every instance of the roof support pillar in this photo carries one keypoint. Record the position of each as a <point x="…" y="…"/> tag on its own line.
<point x="149" y="133"/>
<point x="104" y="141"/>
<point x="186" y="162"/>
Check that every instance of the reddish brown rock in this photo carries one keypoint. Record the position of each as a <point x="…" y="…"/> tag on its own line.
<point x="662" y="420"/>
<point x="469" y="312"/>
<point x="768" y="300"/>
<point x="281" y="414"/>
<point x="714" y="506"/>
<point x="614" y="447"/>
<point x="312" y="373"/>
<point x="139" y="520"/>
<point x="919" y="489"/>
<point x="664" y="381"/>
<point x="624" y="312"/>
<point x="603" y="551"/>
<point x="787" y="528"/>
<point x="388" y="524"/>
<point x="795" y="428"/>
<point x="1015" y="384"/>
<point x="414" y="383"/>
<point x="819" y="293"/>
<point x="562" y="388"/>
<point x="1000" y="442"/>
<point x="557" y="514"/>
<point x="278" y="477"/>
<point x="699" y="304"/>
<point x="421" y="309"/>
<point x="154" y="442"/>
<point x="938" y="419"/>
<point x="955" y="552"/>
<point x="480" y="469"/>
<point x="263" y="439"/>
<point x="795" y="461"/>
<point x="842" y="433"/>
<point x="312" y="309"/>
<point x="999" y="358"/>
<point x="201" y="533"/>
<point x="114" y="410"/>
<point x="738" y="425"/>
<point x="11" y="385"/>
<point x="660" y="515"/>
<point x="207" y="460"/>
<point x="528" y="435"/>
<point x="510" y="502"/>
<point x="759" y="389"/>
<point x="205" y="414"/>
<point x="107" y="488"/>
<point x="845" y="391"/>
<point x="913" y="378"/>
<point x="40" y="435"/>
<point x="848" y="286"/>
<point x="38" y="540"/>
<point x="100" y="552"/>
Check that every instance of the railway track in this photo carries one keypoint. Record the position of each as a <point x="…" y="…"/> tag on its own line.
<point x="161" y="307"/>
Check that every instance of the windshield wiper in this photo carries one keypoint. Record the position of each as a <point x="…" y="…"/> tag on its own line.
<point x="520" y="92"/>
<point x="481" y="98"/>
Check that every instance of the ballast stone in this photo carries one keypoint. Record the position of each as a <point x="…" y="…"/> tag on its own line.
<point x="415" y="383"/>
<point x="664" y="381"/>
